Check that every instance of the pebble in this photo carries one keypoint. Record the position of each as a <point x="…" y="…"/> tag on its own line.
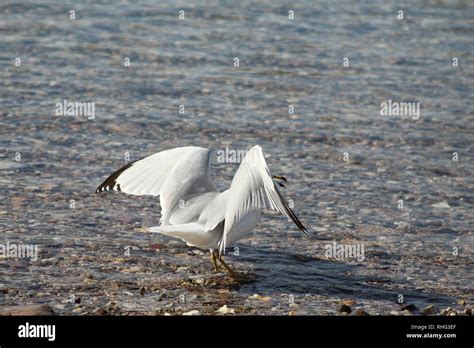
<point x="100" y="312"/>
<point x="449" y="312"/>
<point x="410" y="308"/>
<point x="441" y="205"/>
<point x="430" y="309"/>
<point x="225" y="310"/>
<point x="27" y="310"/>
<point x="345" y="309"/>
<point x="260" y="298"/>
<point x="3" y="289"/>
<point x="360" y="312"/>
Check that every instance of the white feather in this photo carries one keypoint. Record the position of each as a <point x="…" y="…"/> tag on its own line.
<point x="192" y="208"/>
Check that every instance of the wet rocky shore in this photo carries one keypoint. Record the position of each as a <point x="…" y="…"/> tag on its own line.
<point x="400" y="189"/>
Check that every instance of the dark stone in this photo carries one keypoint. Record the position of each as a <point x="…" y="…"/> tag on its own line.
<point x="345" y="309"/>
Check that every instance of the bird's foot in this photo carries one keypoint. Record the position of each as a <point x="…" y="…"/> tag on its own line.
<point x="221" y="265"/>
<point x="214" y="261"/>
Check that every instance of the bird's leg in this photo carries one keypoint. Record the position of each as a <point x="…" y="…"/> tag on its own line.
<point x="214" y="260"/>
<point x="226" y="266"/>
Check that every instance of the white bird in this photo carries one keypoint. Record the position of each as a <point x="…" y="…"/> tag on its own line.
<point x="192" y="208"/>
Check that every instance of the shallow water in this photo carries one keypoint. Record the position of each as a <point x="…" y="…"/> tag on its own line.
<point x="283" y="62"/>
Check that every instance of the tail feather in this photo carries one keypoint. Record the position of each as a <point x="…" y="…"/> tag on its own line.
<point x="192" y="233"/>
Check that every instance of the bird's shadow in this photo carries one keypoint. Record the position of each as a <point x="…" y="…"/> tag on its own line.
<point x="286" y="272"/>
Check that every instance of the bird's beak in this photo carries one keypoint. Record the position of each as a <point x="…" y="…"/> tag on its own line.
<point x="279" y="177"/>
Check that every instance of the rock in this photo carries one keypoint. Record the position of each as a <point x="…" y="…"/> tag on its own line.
<point x="260" y="298"/>
<point x="410" y="308"/>
<point x="348" y="302"/>
<point x="449" y="312"/>
<point x="26" y="310"/>
<point x="446" y="230"/>
<point x="225" y="310"/>
<point x="428" y="310"/>
<point x="59" y="306"/>
<point x="78" y="310"/>
<point x="360" y="312"/>
<point x="3" y="289"/>
<point x="100" y="312"/>
<point x="356" y="158"/>
<point x="345" y="309"/>
<point x="441" y="205"/>
<point x="462" y="302"/>
<point x="467" y="311"/>
<point x="110" y="305"/>
<point x="193" y="312"/>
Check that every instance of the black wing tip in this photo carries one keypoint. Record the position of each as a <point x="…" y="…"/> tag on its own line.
<point x="291" y="214"/>
<point x="110" y="184"/>
<point x="300" y="225"/>
<point x="306" y="233"/>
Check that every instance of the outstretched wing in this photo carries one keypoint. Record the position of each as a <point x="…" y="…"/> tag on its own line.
<point x="147" y="175"/>
<point x="251" y="189"/>
<point x="173" y="175"/>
